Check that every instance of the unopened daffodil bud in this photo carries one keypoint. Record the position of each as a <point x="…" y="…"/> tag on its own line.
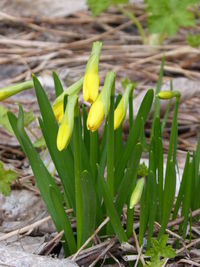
<point x="58" y="105"/>
<point x="91" y="77"/>
<point x="101" y="106"/>
<point x="120" y="111"/>
<point x="168" y="94"/>
<point x="58" y="110"/>
<point x="96" y="115"/>
<point x="15" y="89"/>
<point x="137" y="193"/>
<point x="67" y="124"/>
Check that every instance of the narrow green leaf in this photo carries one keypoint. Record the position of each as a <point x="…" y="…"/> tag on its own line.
<point x="152" y="205"/>
<point x="111" y="211"/>
<point x="86" y="132"/>
<point x="156" y="112"/>
<point x="187" y="197"/>
<point x="134" y="135"/>
<point x="89" y="205"/>
<point x="41" y="174"/>
<point x="78" y="189"/>
<point x="182" y="187"/>
<point x="63" y="221"/>
<point x="127" y="183"/>
<point x="49" y="128"/>
<point x="94" y="152"/>
<point x="168" y="195"/>
<point x="57" y="84"/>
<point x="110" y="149"/>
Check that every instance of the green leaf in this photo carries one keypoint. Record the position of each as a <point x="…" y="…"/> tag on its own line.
<point x="6" y="178"/>
<point x="126" y="186"/>
<point x="193" y="40"/>
<point x="134" y="135"/>
<point x="126" y="81"/>
<point x="40" y="143"/>
<point x="57" y="84"/>
<point x="49" y="129"/>
<point x="166" y="16"/>
<point x="63" y="220"/>
<point x="28" y="118"/>
<point x="159" y="250"/>
<point x="4" y="121"/>
<point x="43" y="179"/>
<point x="89" y="205"/>
<point x="111" y="210"/>
<point x="98" y="6"/>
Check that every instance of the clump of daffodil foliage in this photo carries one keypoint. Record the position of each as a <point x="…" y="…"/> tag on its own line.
<point x="100" y="172"/>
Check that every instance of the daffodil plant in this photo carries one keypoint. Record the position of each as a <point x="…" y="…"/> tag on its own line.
<point x="100" y="172"/>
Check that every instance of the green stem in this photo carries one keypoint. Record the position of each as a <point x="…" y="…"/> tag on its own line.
<point x="78" y="192"/>
<point x="130" y="112"/>
<point x="15" y="89"/>
<point x="135" y="21"/>
<point x="110" y="149"/>
<point x="129" y="222"/>
<point x="173" y="130"/>
<point x="94" y="153"/>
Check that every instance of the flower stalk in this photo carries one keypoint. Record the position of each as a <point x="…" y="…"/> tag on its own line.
<point x="9" y="91"/>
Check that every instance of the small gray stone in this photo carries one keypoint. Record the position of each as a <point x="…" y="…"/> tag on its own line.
<point x="10" y="257"/>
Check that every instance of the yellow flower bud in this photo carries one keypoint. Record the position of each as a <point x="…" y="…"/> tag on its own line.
<point x="119" y="115"/>
<point x="101" y="106"/>
<point x="168" y="94"/>
<point x="91" y="77"/>
<point x="137" y="193"/>
<point x="63" y="137"/>
<point x="67" y="124"/>
<point x="58" y="110"/>
<point x="120" y="111"/>
<point x="90" y="86"/>
<point x="96" y="115"/>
